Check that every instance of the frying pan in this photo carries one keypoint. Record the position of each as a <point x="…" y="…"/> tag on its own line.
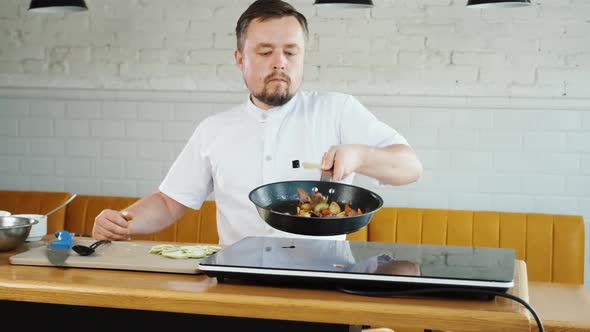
<point x="274" y="200"/>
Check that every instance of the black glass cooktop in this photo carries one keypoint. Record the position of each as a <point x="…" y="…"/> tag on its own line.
<point x="363" y="264"/>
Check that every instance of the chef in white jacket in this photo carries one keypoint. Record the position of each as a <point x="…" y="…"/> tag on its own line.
<point x="233" y="152"/>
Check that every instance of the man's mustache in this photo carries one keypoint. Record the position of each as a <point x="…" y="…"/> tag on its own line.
<point x="282" y="76"/>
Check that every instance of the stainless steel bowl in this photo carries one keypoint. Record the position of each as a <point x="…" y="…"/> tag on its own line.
<point x="14" y="231"/>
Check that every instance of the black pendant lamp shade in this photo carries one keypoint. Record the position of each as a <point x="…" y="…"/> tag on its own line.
<point x="345" y="3"/>
<point x="57" y="6"/>
<point x="497" y="3"/>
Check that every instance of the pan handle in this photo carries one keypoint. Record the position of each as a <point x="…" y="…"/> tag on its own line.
<point x="326" y="175"/>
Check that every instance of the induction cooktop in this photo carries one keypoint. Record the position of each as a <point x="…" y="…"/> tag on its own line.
<point x="362" y="265"/>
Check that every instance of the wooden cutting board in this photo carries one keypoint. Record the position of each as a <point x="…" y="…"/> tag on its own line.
<point x="118" y="255"/>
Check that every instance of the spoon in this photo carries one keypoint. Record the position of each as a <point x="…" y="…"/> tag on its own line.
<point x="86" y="251"/>
<point x="64" y="204"/>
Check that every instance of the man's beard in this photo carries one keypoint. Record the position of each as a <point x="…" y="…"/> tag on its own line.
<point x="278" y="96"/>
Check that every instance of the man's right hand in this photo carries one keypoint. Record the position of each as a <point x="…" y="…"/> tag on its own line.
<point x="111" y="225"/>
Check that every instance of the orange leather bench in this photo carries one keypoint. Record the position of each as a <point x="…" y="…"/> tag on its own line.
<point x="36" y="202"/>
<point x="551" y="245"/>
<point x="195" y="226"/>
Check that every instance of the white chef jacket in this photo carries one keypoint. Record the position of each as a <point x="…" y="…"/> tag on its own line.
<point x="233" y="152"/>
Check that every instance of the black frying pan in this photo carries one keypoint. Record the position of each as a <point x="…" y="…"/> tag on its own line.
<point x="274" y="200"/>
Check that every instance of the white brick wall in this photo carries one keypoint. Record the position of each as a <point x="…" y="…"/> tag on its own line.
<point x="412" y="47"/>
<point x="496" y="102"/>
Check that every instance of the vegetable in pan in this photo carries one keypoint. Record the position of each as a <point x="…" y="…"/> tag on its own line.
<point x="317" y="205"/>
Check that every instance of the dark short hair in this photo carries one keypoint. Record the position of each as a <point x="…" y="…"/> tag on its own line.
<point x="263" y="10"/>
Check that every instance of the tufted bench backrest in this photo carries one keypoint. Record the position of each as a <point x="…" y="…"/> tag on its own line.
<point x="36" y="202"/>
<point x="551" y="245"/>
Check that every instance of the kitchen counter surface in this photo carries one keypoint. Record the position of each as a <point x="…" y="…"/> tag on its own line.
<point x="562" y="307"/>
<point x="198" y="294"/>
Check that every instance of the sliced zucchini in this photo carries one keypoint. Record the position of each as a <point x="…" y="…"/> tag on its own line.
<point x="182" y="252"/>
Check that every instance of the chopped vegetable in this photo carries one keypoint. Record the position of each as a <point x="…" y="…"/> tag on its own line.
<point x="180" y="252"/>
<point x="334" y="208"/>
<point x="317" y="205"/>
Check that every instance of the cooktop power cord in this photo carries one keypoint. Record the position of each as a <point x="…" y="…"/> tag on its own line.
<point x="457" y="291"/>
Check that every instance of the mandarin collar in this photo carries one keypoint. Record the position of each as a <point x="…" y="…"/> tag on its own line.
<point x="271" y="113"/>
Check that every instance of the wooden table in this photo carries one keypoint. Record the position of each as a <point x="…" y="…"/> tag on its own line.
<point x="198" y="294"/>
<point x="562" y="307"/>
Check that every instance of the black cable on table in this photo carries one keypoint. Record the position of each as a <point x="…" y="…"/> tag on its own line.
<point x="459" y="291"/>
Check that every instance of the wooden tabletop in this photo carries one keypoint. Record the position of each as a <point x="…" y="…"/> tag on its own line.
<point x="562" y="307"/>
<point x="199" y="294"/>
